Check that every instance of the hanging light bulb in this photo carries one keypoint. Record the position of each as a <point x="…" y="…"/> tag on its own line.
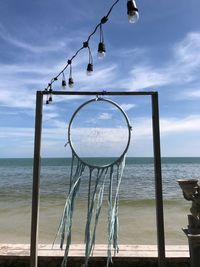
<point x="50" y="87"/>
<point x="90" y="64"/>
<point x="132" y="11"/>
<point x="64" y="84"/>
<point x="101" y="46"/>
<point x="89" y="69"/>
<point x="101" y="50"/>
<point x="71" y="82"/>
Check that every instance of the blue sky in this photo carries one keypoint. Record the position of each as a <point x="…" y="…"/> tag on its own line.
<point x="160" y="52"/>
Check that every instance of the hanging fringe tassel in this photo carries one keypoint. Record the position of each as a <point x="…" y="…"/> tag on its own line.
<point x="90" y="239"/>
<point x="66" y="221"/>
<point x="113" y="211"/>
<point x="95" y="200"/>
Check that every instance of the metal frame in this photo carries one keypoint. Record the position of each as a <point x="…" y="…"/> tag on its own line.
<point x="157" y="168"/>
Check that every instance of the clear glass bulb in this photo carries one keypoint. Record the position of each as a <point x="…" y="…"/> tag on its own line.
<point x="71" y="83"/>
<point x="133" y="16"/>
<point x="89" y="73"/>
<point x="101" y="50"/>
<point x="89" y="69"/>
<point x="64" y="84"/>
<point x="101" y="54"/>
<point x="132" y="11"/>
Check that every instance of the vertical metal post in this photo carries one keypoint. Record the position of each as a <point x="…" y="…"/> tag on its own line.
<point x="36" y="181"/>
<point x="158" y="181"/>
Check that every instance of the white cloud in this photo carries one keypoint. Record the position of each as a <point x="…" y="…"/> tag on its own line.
<point x="59" y="124"/>
<point x="180" y="125"/>
<point x="19" y="93"/>
<point x="54" y="46"/>
<point x="131" y="52"/>
<point x="181" y="68"/>
<point x="102" y="77"/>
<point x="53" y="139"/>
<point x="105" y="116"/>
<point x="127" y="107"/>
<point x="186" y="51"/>
<point x="17" y="98"/>
<point x="144" y="77"/>
<point x="21" y="132"/>
<point x="142" y="127"/>
<point x="27" y="68"/>
<point x="190" y="94"/>
<point x="10" y="132"/>
<point x="49" y="116"/>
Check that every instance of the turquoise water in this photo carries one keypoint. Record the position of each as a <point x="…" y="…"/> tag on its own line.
<point x="137" y="200"/>
<point x="137" y="183"/>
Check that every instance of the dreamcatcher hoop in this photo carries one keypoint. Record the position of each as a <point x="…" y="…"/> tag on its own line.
<point x="107" y="175"/>
<point x="129" y="127"/>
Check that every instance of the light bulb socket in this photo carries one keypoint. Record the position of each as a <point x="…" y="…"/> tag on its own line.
<point x="101" y="48"/>
<point x="71" y="82"/>
<point x="50" y="99"/>
<point x="47" y="102"/>
<point x="89" y="69"/>
<point x="131" y="7"/>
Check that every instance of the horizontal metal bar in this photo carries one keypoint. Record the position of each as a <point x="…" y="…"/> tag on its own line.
<point x="99" y="93"/>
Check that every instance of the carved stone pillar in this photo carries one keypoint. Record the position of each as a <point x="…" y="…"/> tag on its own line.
<point x="191" y="192"/>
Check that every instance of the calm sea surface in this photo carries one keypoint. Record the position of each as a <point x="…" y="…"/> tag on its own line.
<point x="137" y="200"/>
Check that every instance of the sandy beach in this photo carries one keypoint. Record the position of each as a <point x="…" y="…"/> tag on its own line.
<point x="137" y="223"/>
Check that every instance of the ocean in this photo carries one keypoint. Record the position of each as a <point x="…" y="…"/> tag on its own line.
<point x="136" y="207"/>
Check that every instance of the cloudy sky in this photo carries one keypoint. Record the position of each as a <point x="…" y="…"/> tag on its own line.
<point x="161" y="52"/>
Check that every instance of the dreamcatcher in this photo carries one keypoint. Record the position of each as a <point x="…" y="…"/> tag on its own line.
<point x="103" y="178"/>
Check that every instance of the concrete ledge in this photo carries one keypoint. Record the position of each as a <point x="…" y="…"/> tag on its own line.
<point x="129" y="256"/>
<point x="99" y="251"/>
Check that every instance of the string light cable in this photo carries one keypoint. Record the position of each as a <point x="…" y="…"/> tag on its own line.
<point x="133" y="16"/>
